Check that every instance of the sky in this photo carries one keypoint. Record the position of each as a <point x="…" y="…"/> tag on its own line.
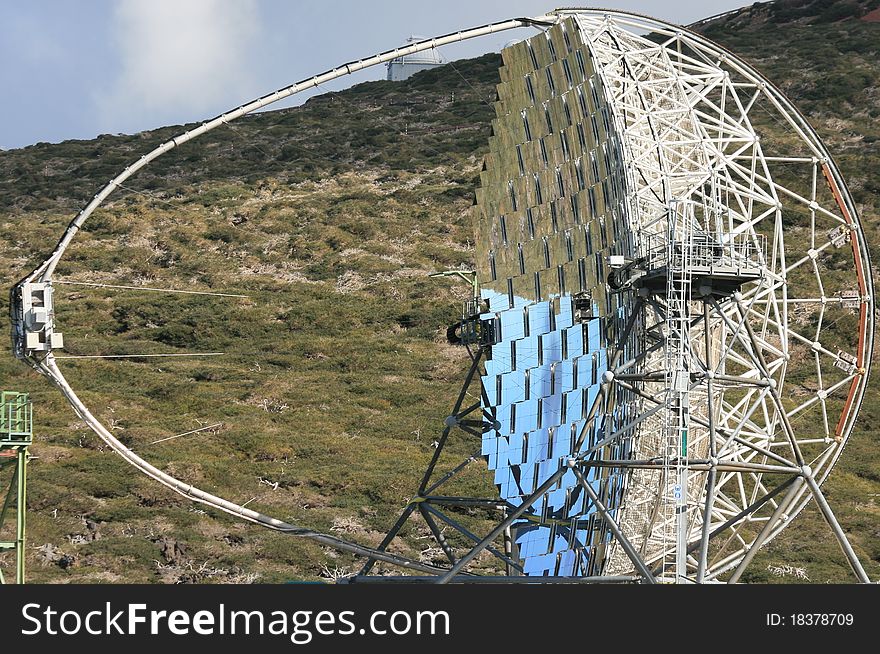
<point x="74" y="69"/>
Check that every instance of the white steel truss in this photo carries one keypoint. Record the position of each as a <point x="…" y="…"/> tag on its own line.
<point x="692" y="118"/>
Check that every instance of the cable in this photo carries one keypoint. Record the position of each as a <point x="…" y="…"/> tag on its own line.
<point x="147" y="288"/>
<point x="139" y="356"/>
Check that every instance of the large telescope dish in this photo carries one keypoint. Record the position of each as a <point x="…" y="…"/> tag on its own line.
<point x="652" y="221"/>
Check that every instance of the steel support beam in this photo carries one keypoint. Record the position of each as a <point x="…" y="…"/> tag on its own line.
<point x="631" y="552"/>
<point x="498" y="530"/>
<point x="842" y="540"/>
<point x="768" y="527"/>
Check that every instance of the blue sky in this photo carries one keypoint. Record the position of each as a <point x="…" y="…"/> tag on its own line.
<point x="76" y="69"/>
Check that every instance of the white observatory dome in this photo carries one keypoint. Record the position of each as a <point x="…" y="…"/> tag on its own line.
<point x="407" y="65"/>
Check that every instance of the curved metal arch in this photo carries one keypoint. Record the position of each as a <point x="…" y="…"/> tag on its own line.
<point x="47" y="365"/>
<point x="45" y="270"/>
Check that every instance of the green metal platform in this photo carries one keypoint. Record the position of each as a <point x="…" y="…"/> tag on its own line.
<point x="16" y="435"/>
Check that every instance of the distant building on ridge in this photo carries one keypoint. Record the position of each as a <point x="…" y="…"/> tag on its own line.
<point x="408" y="65"/>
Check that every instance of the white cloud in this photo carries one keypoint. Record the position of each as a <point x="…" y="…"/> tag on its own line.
<point x="179" y="60"/>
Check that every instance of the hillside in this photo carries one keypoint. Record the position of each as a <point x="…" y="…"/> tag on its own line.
<point x="336" y="375"/>
<point x="329" y="217"/>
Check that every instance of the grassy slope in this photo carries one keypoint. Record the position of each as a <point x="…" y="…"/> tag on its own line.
<point x="329" y="217"/>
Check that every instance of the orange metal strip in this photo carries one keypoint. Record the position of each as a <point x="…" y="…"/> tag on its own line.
<point x="863" y="327"/>
<point x="838" y="431"/>
<point x="849" y="221"/>
<point x="863" y="312"/>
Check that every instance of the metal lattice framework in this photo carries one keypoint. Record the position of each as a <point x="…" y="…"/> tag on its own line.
<point x="745" y="253"/>
<point x="693" y="117"/>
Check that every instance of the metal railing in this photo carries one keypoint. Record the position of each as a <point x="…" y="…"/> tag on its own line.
<point x="707" y="251"/>
<point x="16" y="417"/>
